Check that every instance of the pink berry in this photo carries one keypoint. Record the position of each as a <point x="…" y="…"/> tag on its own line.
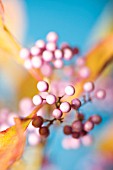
<point x="37" y="100"/>
<point x="36" y="62"/>
<point x="69" y="90"/>
<point x="64" y="45"/>
<point x="58" y="63"/>
<point x="68" y="54"/>
<point x="28" y="64"/>
<point x="58" y="54"/>
<point x="57" y="113"/>
<point x="65" y="107"/>
<point x="76" y="103"/>
<point x="48" y="68"/>
<point x="50" y="46"/>
<point x="77" y="126"/>
<point x="24" y="53"/>
<point x="84" y="72"/>
<point x="89" y="86"/>
<point x="100" y="94"/>
<point x="50" y="99"/>
<point x="42" y="86"/>
<point x="35" y="51"/>
<point x="88" y="126"/>
<point x="52" y="37"/>
<point x="80" y="61"/>
<point x="47" y="56"/>
<point x="96" y="119"/>
<point x="87" y="140"/>
<point x="40" y="44"/>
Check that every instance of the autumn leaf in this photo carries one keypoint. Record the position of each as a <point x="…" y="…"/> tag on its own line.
<point x="12" y="141"/>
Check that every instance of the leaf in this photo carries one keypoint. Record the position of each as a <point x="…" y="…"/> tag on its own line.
<point x="13" y="138"/>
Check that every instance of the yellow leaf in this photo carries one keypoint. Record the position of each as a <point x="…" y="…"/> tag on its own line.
<point x="12" y="141"/>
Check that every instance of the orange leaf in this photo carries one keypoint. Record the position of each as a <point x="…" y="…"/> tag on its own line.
<point x="12" y="141"/>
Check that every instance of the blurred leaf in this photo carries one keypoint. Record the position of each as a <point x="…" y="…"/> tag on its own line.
<point x="12" y="141"/>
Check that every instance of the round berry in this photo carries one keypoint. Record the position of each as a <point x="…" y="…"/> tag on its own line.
<point x="50" y="99"/>
<point x="58" y="54"/>
<point x="65" y="107"/>
<point x="58" y="63"/>
<point x="28" y="64"/>
<point x="77" y="126"/>
<point x="42" y="86"/>
<point x="36" y="62"/>
<point x="89" y="86"/>
<point x="52" y="37"/>
<point x="37" y="121"/>
<point x="68" y="54"/>
<point x="35" y="51"/>
<point x="75" y="50"/>
<point x="75" y="135"/>
<point x="47" y="56"/>
<point x="24" y="53"/>
<point x="84" y="72"/>
<point x="100" y="94"/>
<point x="88" y="126"/>
<point x="57" y="113"/>
<point x="48" y="68"/>
<point x="67" y="130"/>
<point x="69" y="90"/>
<point x="40" y="44"/>
<point x="37" y="100"/>
<point x="96" y="119"/>
<point x="50" y="46"/>
<point x="44" y="131"/>
<point x="76" y="103"/>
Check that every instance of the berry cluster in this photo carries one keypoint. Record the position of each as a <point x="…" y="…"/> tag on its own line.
<point x="47" y="55"/>
<point x="79" y="127"/>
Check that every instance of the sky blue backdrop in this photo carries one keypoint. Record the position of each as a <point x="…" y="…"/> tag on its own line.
<point x="73" y="20"/>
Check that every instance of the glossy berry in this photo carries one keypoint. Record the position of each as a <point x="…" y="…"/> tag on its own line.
<point x="42" y="86"/>
<point x="35" y="51"/>
<point x="52" y="37"/>
<point x="40" y="44"/>
<point x="44" y="131"/>
<point x="88" y="87"/>
<point x="100" y="94"/>
<point x="58" y="63"/>
<point x="67" y="130"/>
<point x="76" y="103"/>
<point x="37" y="121"/>
<point x="96" y="119"/>
<point x="75" y="135"/>
<point x="37" y="100"/>
<point x="65" y="107"/>
<point x="51" y="99"/>
<point x="69" y="90"/>
<point x="68" y="54"/>
<point x="47" y="56"/>
<point x="58" y="54"/>
<point x="88" y="126"/>
<point x="36" y="62"/>
<point x="77" y="126"/>
<point x="50" y="46"/>
<point x="57" y="113"/>
<point x="24" y="53"/>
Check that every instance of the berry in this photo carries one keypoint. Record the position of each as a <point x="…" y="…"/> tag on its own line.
<point x="69" y="90"/>
<point x="100" y="94"/>
<point x="58" y="54"/>
<point x="58" y="63"/>
<point x="57" y="113"/>
<point x="47" y="56"/>
<point x="37" y="121"/>
<point x="65" y="107"/>
<point x="35" y="51"/>
<point x="76" y="103"/>
<point x="52" y="37"/>
<point x="50" y="46"/>
<point x="36" y="62"/>
<point x="48" y="68"/>
<point x="84" y="72"/>
<point x="88" y="126"/>
<point x="88" y="87"/>
<point x="77" y="126"/>
<point x="68" y="54"/>
<point x="28" y="64"/>
<point x="96" y="119"/>
<point x="67" y="130"/>
<point x="40" y="44"/>
<point x="51" y="99"/>
<point x="75" y="135"/>
<point x="42" y="86"/>
<point x="24" y="53"/>
<point x="37" y="100"/>
<point x="44" y="131"/>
